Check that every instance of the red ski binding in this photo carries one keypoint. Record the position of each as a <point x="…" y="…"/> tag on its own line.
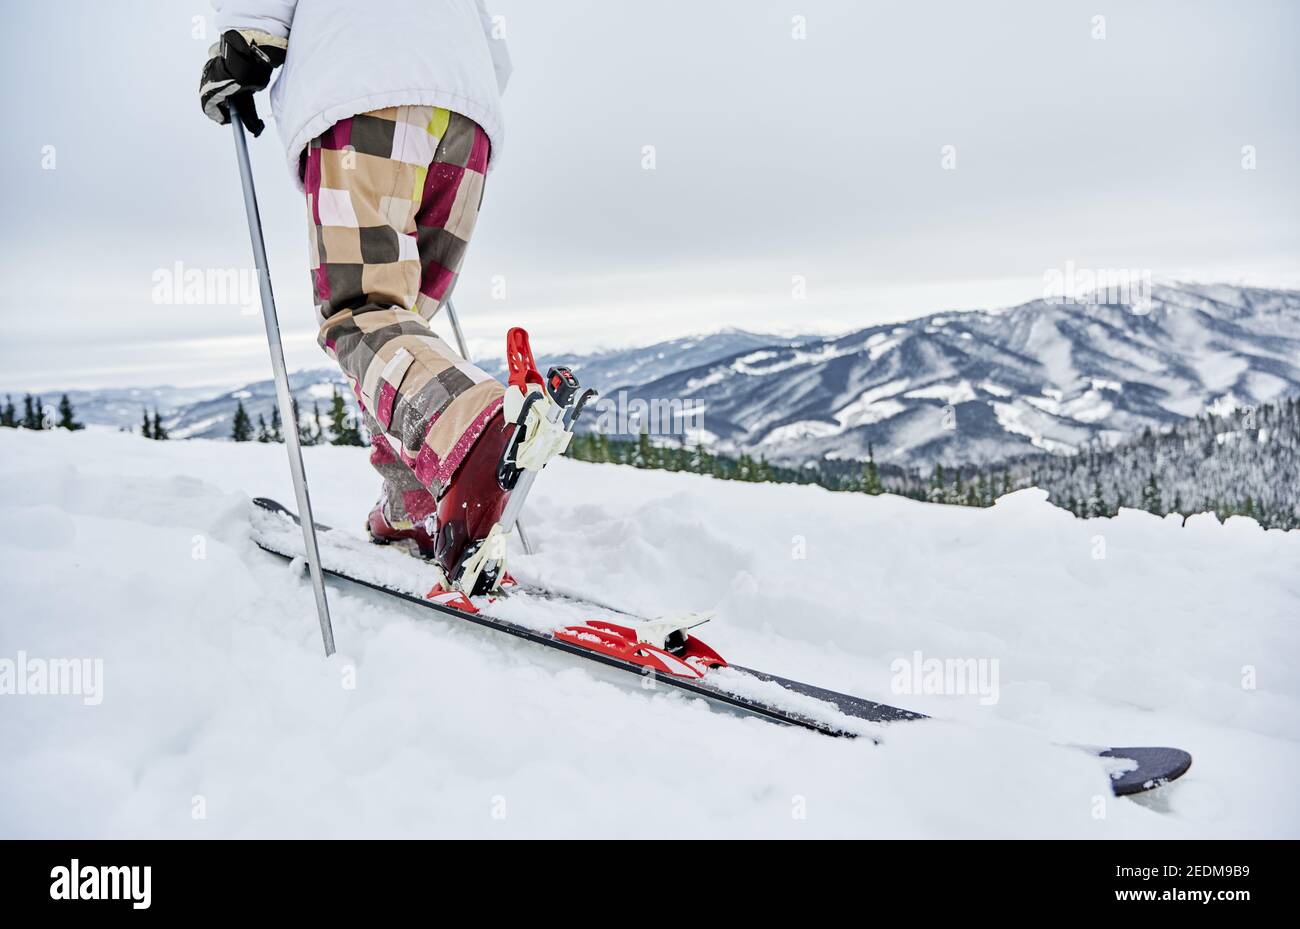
<point x="458" y="600"/>
<point x="451" y="598"/>
<point x="692" y="660"/>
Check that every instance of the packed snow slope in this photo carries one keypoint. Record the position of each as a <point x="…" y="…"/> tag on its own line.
<point x="220" y="717"/>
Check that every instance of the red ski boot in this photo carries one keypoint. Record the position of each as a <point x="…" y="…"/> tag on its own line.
<point x="466" y="535"/>
<point x="473" y="502"/>
<point x="383" y="532"/>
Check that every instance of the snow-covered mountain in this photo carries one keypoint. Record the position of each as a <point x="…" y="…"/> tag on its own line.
<point x="975" y="387"/>
<point x="197" y="412"/>
<point x="611" y="370"/>
<point x="951" y="388"/>
<point x="211" y="417"/>
<point x="122" y="407"/>
<point x="206" y="412"/>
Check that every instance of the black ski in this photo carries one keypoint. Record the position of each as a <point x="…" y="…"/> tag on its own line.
<point x="1152" y="768"/>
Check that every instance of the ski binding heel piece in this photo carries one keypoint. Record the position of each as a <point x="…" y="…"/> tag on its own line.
<point x="543" y="410"/>
<point x="543" y="413"/>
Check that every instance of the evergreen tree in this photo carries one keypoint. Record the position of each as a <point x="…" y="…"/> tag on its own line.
<point x="1151" y="493"/>
<point x="242" y="428"/>
<point x="304" y="431"/>
<point x="32" y="418"/>
<point x="308" y="428"/>
<point x="8" y="415"/>
<point x="263" y="434"/>
<point x="1206" y="463"/>
<point x="277" y="425"/>
<point x="871" y="475"/>
<point x="159" y="432"/>
<point x="146" y="426"/>
<point x="342" y="425"/>
<point x="317" y="433"/>
<point x="579" y="447"/>
<point x="66" y="418"/>
<point x="938" y="481"/>
<point x="1097" y="502"/>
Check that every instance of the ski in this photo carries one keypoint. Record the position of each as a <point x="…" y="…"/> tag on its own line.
<point x="665" y="652"/>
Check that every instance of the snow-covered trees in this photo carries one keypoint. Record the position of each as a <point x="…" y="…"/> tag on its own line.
<point x="1246" y="462"/>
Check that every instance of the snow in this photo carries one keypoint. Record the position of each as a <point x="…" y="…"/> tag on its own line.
<point x="216" y="696"/>
<point x="321" y="391"/>
<point x="951" y="393"/>
<point x="743" y="365"/>
<point x="715" y="376"/>
<point x="198" y="427"/>
<point x="1222" y="406"/>
<point x="1052" y="348"/>
<point x="698" y="435"/>
<point x="803" y="429"/>
<point x="1035" y="417"/>
<point x="1090" y="406"/>
<point x="872" y="405"/>
<point x="1264" y="386"/>
<point x="877" y="350"/>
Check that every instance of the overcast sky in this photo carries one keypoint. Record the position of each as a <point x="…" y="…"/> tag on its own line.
<point x="774" y="157"/>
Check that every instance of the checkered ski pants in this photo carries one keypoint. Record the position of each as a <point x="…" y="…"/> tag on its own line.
<point x="393" y="196"/>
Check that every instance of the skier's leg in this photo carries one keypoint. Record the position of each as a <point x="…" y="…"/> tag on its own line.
<point x="404" y="504"/>
<point x="392" y="197"/>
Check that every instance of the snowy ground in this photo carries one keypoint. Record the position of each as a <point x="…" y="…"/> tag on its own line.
<point x="221" y="718"/>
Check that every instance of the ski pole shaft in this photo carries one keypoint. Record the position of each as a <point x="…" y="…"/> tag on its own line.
<point x="464" y="353"/>
<point x="284" y="398"/>
<point x="456" y="330"/>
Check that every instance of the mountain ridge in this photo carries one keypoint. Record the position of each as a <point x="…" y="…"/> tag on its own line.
<point x="952" y="387"/>
<point x="977" y="386"/>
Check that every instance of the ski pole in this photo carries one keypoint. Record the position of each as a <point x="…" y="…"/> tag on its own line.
<point x="464" y="353"/>
<point x="283" y="397"/>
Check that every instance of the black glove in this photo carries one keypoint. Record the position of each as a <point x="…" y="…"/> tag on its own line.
<point x="240" y="65"/>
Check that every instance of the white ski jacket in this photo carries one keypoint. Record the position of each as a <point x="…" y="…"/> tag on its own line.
<point x="353" y="56"/>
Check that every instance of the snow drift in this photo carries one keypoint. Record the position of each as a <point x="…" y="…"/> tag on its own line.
<point x="220" y="718"/>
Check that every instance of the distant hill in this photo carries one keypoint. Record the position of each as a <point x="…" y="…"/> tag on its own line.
<point x="978" y="387"/>
<point x="947" y="389"/>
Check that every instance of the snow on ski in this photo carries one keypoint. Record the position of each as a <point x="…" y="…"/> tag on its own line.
<point x="688" y="665"/>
